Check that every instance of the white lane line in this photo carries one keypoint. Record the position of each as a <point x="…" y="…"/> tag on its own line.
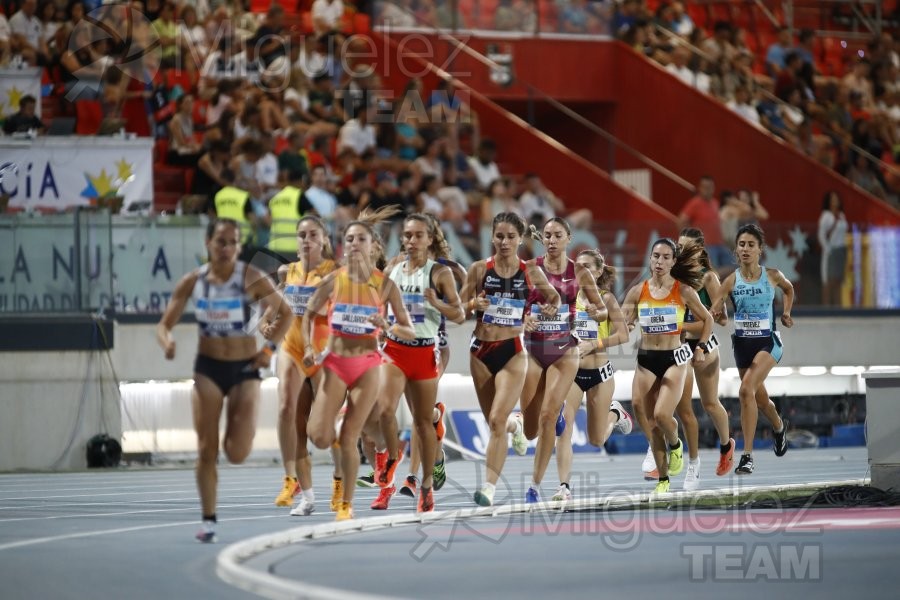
<point x="191" y="491"/>
<point x="101" y="532"/>
<point x="129" y="512"/>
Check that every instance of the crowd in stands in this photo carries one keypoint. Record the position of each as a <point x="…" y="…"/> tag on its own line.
<point x="253" y="104"/>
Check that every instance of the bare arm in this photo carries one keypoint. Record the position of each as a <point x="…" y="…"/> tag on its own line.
<point x="692" y="301"/>
<point x="402" y="327"/>
<point x="276" y="318"/>
<point x="540" y="283"/>
<point x="473" y="299"/>
<point x="173" y="313"/>
<point x="619" y="330"/>
<point x="787" y="288"/>
<point x="588" y="286"/>
<point x="629" y="306"/>
<point x="451" y="306"/>
<point x="723" y="292"/>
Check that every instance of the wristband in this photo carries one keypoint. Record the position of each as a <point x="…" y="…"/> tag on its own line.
<point x="703" y="346"/>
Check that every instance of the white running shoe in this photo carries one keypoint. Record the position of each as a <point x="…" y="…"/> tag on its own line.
<point x="649" y="463"/>
<point x="304" y="508"/>
<point x="692" y="478"/>
<point x="563" y="494"/>
<point x="519" y="441"/>
<point x="624" y="425"/>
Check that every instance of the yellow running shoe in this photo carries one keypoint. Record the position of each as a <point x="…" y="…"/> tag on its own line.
<point x="291" y="488"/>
<point x="676" y="460"/>
<point x="337" y="494"/>
<point x="344" y="511"/>
<point x="662" y="487"/>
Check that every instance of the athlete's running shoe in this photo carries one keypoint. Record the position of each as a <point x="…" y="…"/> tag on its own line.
<point x="439" y="473"/>
<point x="484" y="497"/>
<point x="344" y="511"/>
<point x="563" y="494"/>
<point x="624" y="425"/>
<point x="337" y="493"/>
<point x="409" y="486"/>
<point x="304" y="508"/>
<point x="207" y="533"/>
<point x="439" y="425"/>
<point x="426" y="500"/>
<point x="781" y="444"/>
<point x="385" y="476"/>
<point x="367" y="481"/>
<point x="532" y="496"/>
<point x="290" y="489"/>
<point x="519" y="441"/>
<point x="726" y="460"/>
<point x="384" y="498"/>
<point x="692" y="477"/>
<point x="662" y="487"/>
<point x="649" y="466"/>
<point x="745" y="466"/>
<point x="676" y="460"/>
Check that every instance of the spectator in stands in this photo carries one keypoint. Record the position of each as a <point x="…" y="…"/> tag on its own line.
<point x="321" y="100"/>
<point x="267" y="169"/>
<point x="213" y="173"/>
<point x="192" y="36"/>
<point x="167" y="34"/>
<point x="25" y="119"/>
<point x="398" y="13"/>
<point x="702" y="212"/>
<point x="574" y="17"/>
<point x="247" y="151"/>
<point x="296" y="98"/>
<point x="778" y="51"/>
<point x="5" y="47"/>
<point x="626" y="17"/>
<point x="226" y="63"/>
<point x="719" y="46"/>
<point x="805" y="47"/>
<point x="681" y="23"/>
<point x="857" y="80"/>
<point x="484" y="166"/>
<point x="539" y="205"/>
<point x="184" y="149"/>
<point x="407" y="118"/>
<point x="457" y="171"/>
<point x="327" y="15"/>
<point x="27" y="34"/>
<point x="385" y="194"/>
<point x="81" y="67"/>
<point x="352" y="196"/>
<point x="269" y="38"/>
<point x="249" y="123"/>
<point x="499" y="198"/>
<point x="427" y="199"/>
<point x="832" y="234"/>
<point x="743" y="105"/>
<point x="679" y="65"/>
<point x="358" y="134"/>
<point x="863" y="174"/>
<point x="292" y="167"/>
<point x="317" y="197"/>
<point x="789" y="77"/>
<point x="506" y="18"/>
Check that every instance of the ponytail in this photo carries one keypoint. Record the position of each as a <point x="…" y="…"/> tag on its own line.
<point x="688" y="268"/>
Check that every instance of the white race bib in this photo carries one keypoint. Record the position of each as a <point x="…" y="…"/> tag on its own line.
<point x="507" y="312"/>
<point x="219" y="315"/>
<point x="585" y="327"/>
<point x="752" y="325"/>
<point x="353" y="319"/>
<point x="558" y="323"/>
<point x="415" y="306"/>
<point x="662" y="319"/>
<point x="682" y="354"/>
<point x="606" y="372"/>
<point x="298" y="296"/>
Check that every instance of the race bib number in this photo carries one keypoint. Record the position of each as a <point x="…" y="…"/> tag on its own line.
<point x="585" y="327"/>
<point x="297" y="297"/>
<point x="655" y="320"/>
<point x="752" y="325"/>
<point x="682" y="354"/>
<point x="507" y="312"/>
<point x="606" y="372"/>
<point x="219" y="315"/>
<point x="415" y="306"/>
<point x="353" y="319"/>
<point x="558" y="323"/>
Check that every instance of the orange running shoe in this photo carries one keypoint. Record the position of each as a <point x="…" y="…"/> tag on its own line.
<point x="344" y="512"/>
<point x="439" y="426"/>
<point x="290" y="489"/>
<point x="426" y="500"/>
<point x="726" y="460"/>
<point x="384" y="498"/>
<point x="384" y="477"/>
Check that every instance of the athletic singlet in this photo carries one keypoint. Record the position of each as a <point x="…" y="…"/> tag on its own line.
<point x="587" y="328"/>
<point x="566" y="284"/>
<point x="425" y="318"/>
<point x="222" y="310"/>
<point x="507" y="296"/>
<point x="704" y="299"/>
<point x="753" y="314"/>
<point x="661" y="317"/>
<point x="353" y="303"/>
<point x="299" y="287"/>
